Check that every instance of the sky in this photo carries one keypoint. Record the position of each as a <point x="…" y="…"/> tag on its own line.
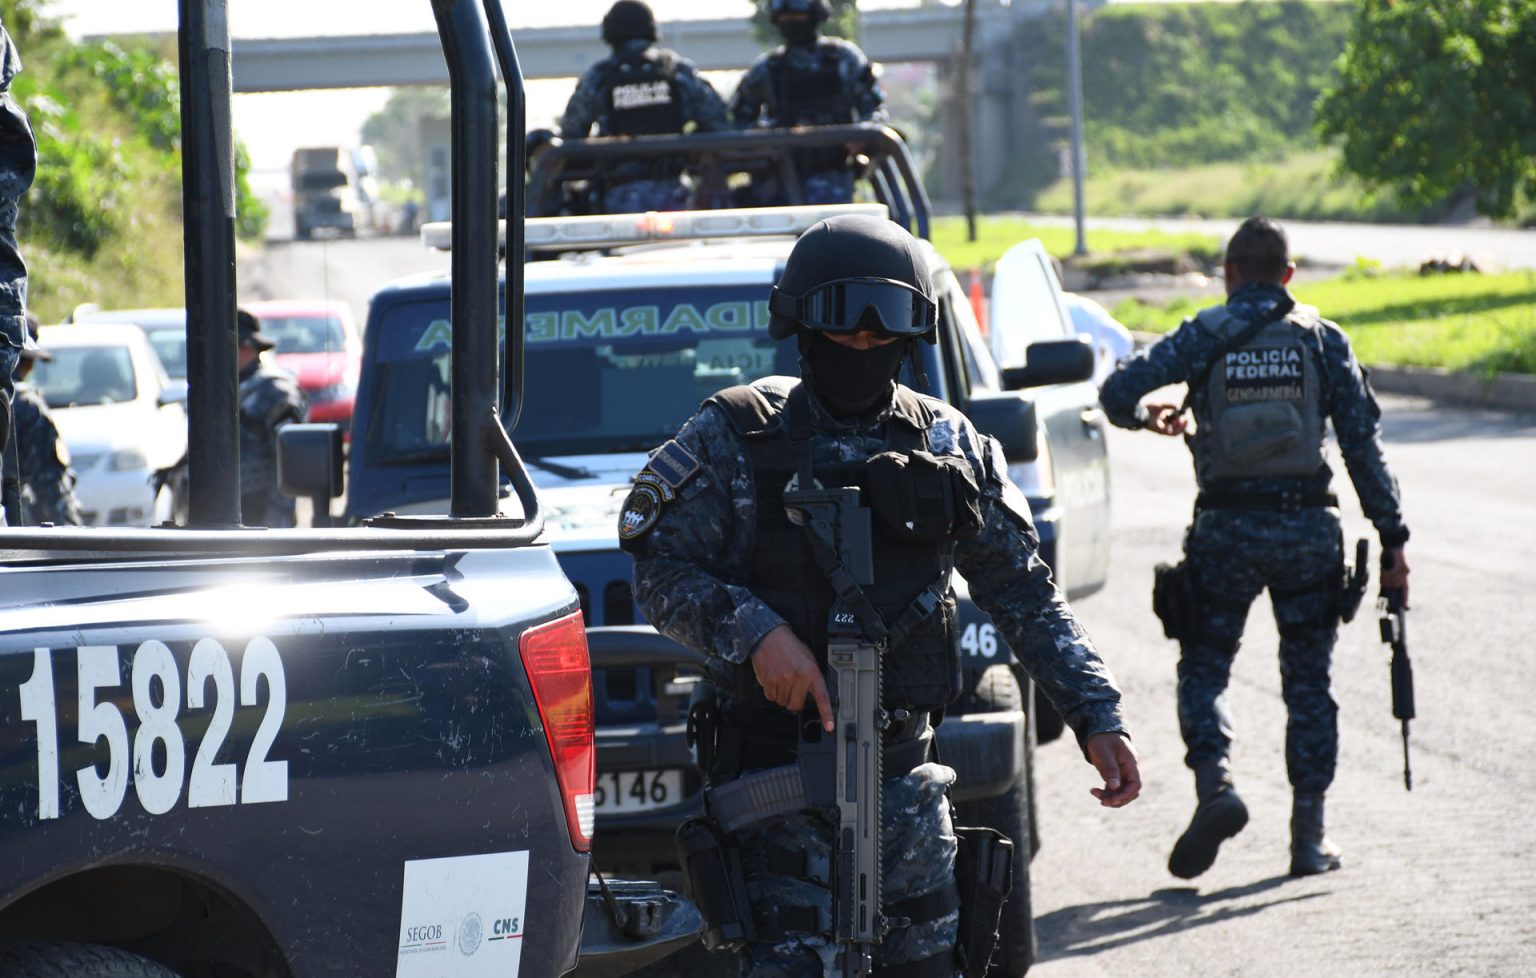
<point x="272" y="125"/>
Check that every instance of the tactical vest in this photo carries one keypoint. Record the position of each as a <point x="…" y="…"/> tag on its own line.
<point x="921" y="671"/>
<point x="640" y="95"/>
<point x="1264" y="400"/>
<point x="814" y="98"/>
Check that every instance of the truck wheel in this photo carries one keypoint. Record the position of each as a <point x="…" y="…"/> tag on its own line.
<point x="1009" y="813"/>
<point x="49" y="959"/>
<point x="300" y="233"/>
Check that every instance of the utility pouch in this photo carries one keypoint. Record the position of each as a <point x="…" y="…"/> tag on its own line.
<point x="1353" y="581"/>
<point x="922" y="497"/>
<point x="713" y="880"/>
<point x="984" y="875"/>
<point x="1173" y="599"/>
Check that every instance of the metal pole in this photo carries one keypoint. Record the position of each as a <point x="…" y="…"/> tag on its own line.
<point x="474" y="479"/>
<point x="1075" y="103"/>
<point x="208" y="218"/>
<point x="967" y="119"/>
<point x="517" y="207"/>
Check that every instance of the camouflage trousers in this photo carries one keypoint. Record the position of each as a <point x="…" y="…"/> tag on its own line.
<point x="1234" y="555"/>
<point x="638" y="196"/>
<point x="917" y="846"/>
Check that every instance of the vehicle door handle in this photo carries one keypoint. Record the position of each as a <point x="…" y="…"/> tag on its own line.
<point x="1093" y="421"/>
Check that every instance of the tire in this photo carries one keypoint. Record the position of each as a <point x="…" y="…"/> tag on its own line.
<point x="1009" y="813"/>
<point x="301" y="233"/>
<point x="50" y="959"/>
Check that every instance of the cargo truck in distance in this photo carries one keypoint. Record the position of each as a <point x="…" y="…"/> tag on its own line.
<point x="333" y="190"/>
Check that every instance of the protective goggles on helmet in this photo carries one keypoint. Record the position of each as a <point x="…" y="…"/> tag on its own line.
<point x="842" y="306"/>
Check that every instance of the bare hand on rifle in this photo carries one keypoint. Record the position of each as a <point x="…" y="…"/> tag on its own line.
<point x="1166" y="419"/>
<point x="787" y="671"/>
<point x="1394" y="573"/>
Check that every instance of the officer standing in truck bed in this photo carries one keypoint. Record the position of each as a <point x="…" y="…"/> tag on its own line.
<point x="1265" y="374"/>
<point x="641" y="90"/>
<point x="724" y="567"/>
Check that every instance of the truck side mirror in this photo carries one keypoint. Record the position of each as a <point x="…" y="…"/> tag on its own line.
<point x="309" y="464"/>
<point x="1051" y="362"/>
<point x="1010" y="419"/>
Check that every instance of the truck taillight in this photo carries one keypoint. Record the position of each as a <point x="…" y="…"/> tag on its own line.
<point x="560" y="670"/>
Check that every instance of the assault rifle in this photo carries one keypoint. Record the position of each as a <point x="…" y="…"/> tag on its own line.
<point x="1394" y="631"/>
<point x="841" y="770"/>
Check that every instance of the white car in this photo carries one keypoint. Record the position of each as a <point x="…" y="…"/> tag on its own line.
<point x="120" y="416"/>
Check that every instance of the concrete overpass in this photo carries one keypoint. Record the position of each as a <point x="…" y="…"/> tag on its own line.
<point x="363" y="61"/>
<point x="1007" y="130"/>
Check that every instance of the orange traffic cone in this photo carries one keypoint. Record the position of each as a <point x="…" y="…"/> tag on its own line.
<point x="978" y="300"/>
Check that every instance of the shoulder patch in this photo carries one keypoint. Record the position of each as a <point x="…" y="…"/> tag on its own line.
<point x="674" y="464"/>
<point x="642" y="507"/>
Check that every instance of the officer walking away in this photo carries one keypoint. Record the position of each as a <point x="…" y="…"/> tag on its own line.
<point x="810" y="80"/>
<point x="641" y="90"/>
<point x="724" y="567"/>
<point x="18" y="164"/>
<point x="1264" y="374"/>
<point x="269" y="399"/>
<point x="47" y="480"/>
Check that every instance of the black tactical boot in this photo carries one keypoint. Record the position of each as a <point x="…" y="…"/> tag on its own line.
<point x="1311" y="852"/>
<point x="1219" y="816"/>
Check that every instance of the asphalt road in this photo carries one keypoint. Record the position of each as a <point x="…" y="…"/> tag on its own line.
<point x="347" y="269"/>
<point x="1340" y="243"/>
<point x="1437" y="882"/>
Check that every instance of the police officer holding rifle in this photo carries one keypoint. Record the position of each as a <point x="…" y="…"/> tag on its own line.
<point x="1265" y="374"/>
<point x="789" y="517"/>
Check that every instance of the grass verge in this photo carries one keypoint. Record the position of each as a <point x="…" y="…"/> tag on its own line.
<point x="1305" y="186"/>
<point x="1476" y="323"/>
<point x="995" y="235"/>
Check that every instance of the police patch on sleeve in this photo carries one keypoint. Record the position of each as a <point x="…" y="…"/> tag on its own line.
<point x="674" y="464"/>
<point x="642" y="507"/>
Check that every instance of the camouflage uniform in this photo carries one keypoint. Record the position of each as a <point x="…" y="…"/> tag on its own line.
<point x="760" y="101"/>
<point x="633" y="188"/>
<point x="18" y="164"/>
<point x="269" y="399"/>
<point x="47" y="481"/>
<point x="1235" y="554"/>
<point x="687" y="571"/>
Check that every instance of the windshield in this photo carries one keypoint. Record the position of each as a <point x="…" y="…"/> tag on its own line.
<point x="171" y="346"/>
<point x="82" y="375"/>
<point x="607" y="371"/>
<point x="304" y="334"/>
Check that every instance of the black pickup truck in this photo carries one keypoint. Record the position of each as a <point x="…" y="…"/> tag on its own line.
<point x="641" y="318"/>
<point x="245" y="753"/>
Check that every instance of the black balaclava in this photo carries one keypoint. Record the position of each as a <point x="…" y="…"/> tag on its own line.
<point x="797" y="31"/>
<point x="849" y="382"/>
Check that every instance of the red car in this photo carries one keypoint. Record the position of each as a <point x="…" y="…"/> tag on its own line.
<point x="317" y="341"/>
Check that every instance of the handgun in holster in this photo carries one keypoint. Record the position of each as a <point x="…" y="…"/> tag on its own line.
<point x="1355" y="577"/>
<point x="984" y="874"/>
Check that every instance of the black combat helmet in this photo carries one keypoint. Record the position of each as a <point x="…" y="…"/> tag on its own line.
<point x="819" y="9"/>
<point x="852" y="272"/>
<point x="628" y="20"/>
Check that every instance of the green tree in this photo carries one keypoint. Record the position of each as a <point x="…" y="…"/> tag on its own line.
<point x="394" y="132"/>
<point x="843" y="23"/>
<point x="1436" y="96"/>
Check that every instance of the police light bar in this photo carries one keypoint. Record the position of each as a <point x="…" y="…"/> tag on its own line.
<point x="609" y="230"/>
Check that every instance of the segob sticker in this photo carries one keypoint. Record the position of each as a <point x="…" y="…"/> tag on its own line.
<point x="641" y="509"/>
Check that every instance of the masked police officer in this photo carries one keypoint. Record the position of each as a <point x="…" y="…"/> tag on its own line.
<point x="269" y="399"/>
<point x="1265" y="374"/>
<point x="810" y="80"/>
<point x="47" y="480"/>
<point x="722" y="565"/>
<point x="641" y="90"/>
<point x="18" y="164"/>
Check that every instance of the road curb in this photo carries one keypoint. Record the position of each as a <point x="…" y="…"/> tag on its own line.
<point x="1508" y="392"/>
